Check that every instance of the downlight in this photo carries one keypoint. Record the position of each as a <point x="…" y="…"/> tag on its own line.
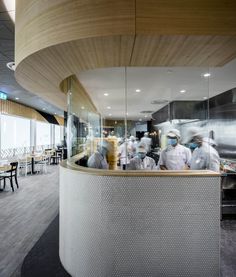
<point x="11" y="66"/>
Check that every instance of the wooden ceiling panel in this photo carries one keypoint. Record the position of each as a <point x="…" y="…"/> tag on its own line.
<point x="183" y="50"/>
<point x="40" y="25"/>
<point x="185" y="17"/>
<point x="43" y="71"/>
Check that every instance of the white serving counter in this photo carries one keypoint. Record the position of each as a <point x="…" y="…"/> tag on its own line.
<point x="139" y="223"/>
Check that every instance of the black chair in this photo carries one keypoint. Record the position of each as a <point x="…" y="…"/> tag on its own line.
<point x="9" y="174"/>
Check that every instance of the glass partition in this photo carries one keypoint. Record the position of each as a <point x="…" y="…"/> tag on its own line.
<point x="155" y="118"/>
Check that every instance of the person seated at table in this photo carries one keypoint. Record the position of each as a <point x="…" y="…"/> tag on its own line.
<point x="98" y="158"/>
<point x="141" y="161"/>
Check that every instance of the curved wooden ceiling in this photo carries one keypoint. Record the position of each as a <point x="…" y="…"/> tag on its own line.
<point x="59" y="38"/>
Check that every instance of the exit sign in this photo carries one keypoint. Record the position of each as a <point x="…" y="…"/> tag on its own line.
<point x="3" y="96"/>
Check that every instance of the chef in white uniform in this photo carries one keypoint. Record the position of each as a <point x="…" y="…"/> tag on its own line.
<point x="174" y="156"/>
<point x="204" y="155"/>
<point x="98" y="158"/>
<point x="141" y="161"/>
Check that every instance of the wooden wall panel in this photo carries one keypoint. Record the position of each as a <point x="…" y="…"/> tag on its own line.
<point x="11" y="108"/>
<point x="186" y="17"/>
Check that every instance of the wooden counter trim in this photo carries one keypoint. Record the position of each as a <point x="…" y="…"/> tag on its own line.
<point x="140" y="173"/>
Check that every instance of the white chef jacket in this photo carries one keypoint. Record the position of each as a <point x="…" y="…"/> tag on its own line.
<point x="137" y="163"/>
<point x="205" y="157"/>
<point x="96" y="160"/>
<point x="175" y="158"/>
<point x="124" y="151"/>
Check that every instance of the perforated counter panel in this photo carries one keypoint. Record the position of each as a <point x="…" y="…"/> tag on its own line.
<point x="139" y="226"/>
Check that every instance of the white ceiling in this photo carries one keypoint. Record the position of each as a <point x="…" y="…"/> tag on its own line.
<point x="155" y="83"/>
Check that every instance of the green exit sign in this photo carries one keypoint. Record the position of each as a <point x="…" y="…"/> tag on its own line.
<point x="3" y="96"/>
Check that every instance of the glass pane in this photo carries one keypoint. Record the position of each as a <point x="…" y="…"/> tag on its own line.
<point x="15" y="132"/>
<point x="58" y="139"/>
<point x="43" y="133"/>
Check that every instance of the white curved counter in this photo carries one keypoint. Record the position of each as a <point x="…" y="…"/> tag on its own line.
<point x="116" y="223"/>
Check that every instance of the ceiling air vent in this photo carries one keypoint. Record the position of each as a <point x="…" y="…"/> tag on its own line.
<point x="146" y="112"/>
<point x="159" y="102"/>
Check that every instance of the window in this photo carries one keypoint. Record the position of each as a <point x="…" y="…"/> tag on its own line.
<point x="15" y="132"/>
<point x="57" y="134"/>
<point x="43" y="133"/>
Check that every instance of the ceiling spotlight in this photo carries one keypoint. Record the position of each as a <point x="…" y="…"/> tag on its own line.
<point x="206" y="74"/>
<point x="106" y="94"/>
<point x="110" y="114"/>
<point x="145" y="116"/>
<point x="55" y="113"/>
<point x="11" y="66"/>
<point x="138" y="90"/>
<point x="127" y="113"/>
<point x="44" y="109"/>
<point x="140" y="119"/>
<point x="82" y="107"/>
<point x="108" y="107"/>
<point x="17" y="98"/>
<point x="183" y="91"/>
<point x="205" y="97"/>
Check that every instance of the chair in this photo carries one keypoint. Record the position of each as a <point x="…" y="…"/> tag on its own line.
<point x="9" y="174"/>
<point x="25" y="165"/>
<point x="41" y="164"/>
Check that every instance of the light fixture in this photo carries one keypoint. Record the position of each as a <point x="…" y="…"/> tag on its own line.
<point x="110" y="114"/>
<point x="138" y="90"/>
<point x="82" y="107"/>
<point x="106" y="94"/>
<point x="108" y="107"/>
<point x="44" y="109"/>
<point x="207" y="74"/>
<point x="17" y="98"/>
<point x="11" y="66"/>
<point x="127" y="113"/>
<point x="145" y="116"/>
<point x="182" y="91"/>
<point x="205" y="97"/>
<point x="55" y="113"/>
<point x="140" y="119"/>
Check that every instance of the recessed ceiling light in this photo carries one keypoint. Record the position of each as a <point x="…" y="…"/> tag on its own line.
<point x="140" y="119"/>
<point x="108" y="107"/>
<point x="182" y="91"/>
<point x="70" y="93"/>
<point x="55" y="113"/>
<point x="127" y="113"/>
<point x="82" y="107"/>
<point x="44" y="109"/>
<point x="206" y="74"/>
<point x="138" y="90"/>
<point x="11" y="66"/>
<point x="205" y="97"/>
<point x="110" y="114"/>
<point x="106" y="94"/>
<point x="17" y="98"/>
<point x="145" y="116"/>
